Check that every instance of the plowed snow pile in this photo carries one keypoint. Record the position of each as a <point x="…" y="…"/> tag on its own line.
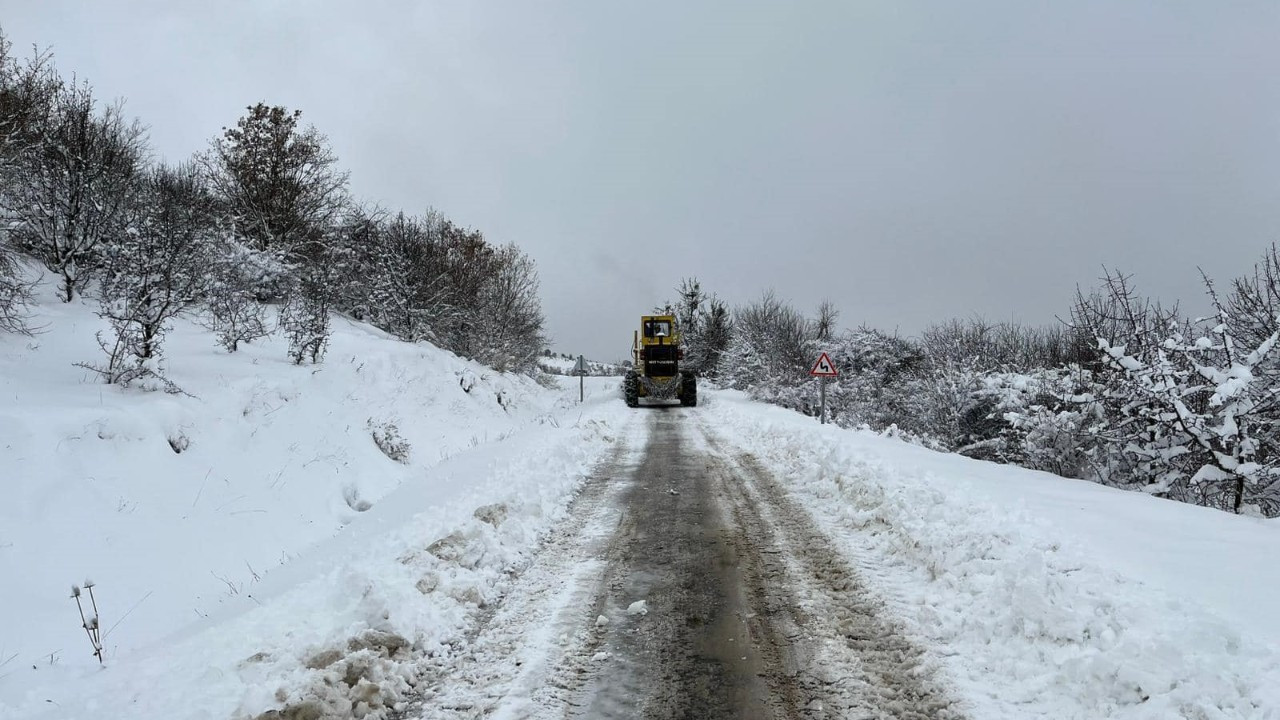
<point x="1042" y="597"/>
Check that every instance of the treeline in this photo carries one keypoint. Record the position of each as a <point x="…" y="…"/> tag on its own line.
<point x="256" y="235"/>
<point x="1123" y="391"/>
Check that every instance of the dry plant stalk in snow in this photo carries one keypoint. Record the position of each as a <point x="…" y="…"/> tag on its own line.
<point x="92" y="627"/>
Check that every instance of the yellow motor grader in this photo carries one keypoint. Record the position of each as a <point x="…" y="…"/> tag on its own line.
<point x="656" y="355"/>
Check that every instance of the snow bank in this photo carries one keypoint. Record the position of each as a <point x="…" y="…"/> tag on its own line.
<point x="1042" y="597"/>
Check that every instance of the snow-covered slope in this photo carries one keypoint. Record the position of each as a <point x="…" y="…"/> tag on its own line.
<point x="190" y="509"/>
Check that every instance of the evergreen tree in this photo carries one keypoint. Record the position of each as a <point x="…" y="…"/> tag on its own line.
<point x="279" y="182"/>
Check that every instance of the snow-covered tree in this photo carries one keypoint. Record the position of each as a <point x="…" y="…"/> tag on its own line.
<point x="1205" y="419"/>
<point x="278" y="181"/>
<point x="705" y="326"/>
<point x="73" y="189"/>
<point x="717" y="333"/>
<point x="771" y="345"/>
<point x="28" y="90"/>
<point x="26" y="95"/>
<point x="1204" y="413"/>
<point x="304" y="319"/>
<point x="508" y="328"/>
<point x="238" y="276"/>
<point x="154" y="270"/>
<point x="368" y="288"/>
<point x="419" y="271"/>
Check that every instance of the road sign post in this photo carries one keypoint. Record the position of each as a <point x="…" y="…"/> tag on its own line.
<point x="823" y="369"/>
<point x="580" y="369"/>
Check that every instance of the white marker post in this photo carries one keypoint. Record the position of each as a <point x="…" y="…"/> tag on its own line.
<point x="823" y="369"/>
<point x="580" y="369"/>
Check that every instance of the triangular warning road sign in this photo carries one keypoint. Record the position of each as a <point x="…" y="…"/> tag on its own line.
<point x="824" y="367"/>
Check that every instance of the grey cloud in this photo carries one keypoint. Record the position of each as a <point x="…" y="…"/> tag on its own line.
<point x="911" y="161"/>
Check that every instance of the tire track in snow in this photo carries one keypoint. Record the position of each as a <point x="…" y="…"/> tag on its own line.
<point x="503" y="669"/>
<point x="844" y="654"/>
<point x="696" y="653"/>
<point x="751" y="614"/>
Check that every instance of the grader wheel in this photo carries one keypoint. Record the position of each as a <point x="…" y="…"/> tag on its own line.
<point x="688" y="389"/>
<point x="631" y="389"/>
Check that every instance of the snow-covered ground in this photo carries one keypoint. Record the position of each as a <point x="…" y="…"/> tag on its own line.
<point x="282" y="559"/>
<point x="279" y="531"/>
<point x="1041" y="596"/>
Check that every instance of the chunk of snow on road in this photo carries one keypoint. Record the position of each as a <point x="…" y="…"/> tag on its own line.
<point x="639" y="607"/>
<point x="601" y="621"/>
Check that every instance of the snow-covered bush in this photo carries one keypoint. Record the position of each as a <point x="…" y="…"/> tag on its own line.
<point x="15" y="293"/>
<point x="878" y="384"/>
<point x="1047" y="419"/>
<point x="386" y="435"/>
<point x="238" y="277"/>
<point x="305" y="317"/>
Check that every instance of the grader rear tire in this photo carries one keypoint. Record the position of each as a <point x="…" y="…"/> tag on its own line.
<point x="689" y="389"/>
<point x="631" y="389"/>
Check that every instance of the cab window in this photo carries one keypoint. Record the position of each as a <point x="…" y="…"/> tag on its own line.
<point x="655" y="328"/>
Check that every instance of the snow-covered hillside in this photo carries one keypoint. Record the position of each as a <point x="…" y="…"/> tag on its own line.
<point x="564" y="365"/>
<point x="187" y="509"/>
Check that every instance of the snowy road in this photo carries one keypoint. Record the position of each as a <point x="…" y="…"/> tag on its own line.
<point x="685" y="584"/>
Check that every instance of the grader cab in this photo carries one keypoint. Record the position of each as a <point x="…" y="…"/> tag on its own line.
<point x="656" y="355"/>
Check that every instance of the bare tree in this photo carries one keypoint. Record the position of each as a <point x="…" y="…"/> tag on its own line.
<point x="73" y="188"/>
<point x="509" y="318"/>
<point x="1118" y="314"/>
<point x="824" y="326"/>
<point x="991" y="346"/>
<point x="27" y="90"/>
<point x="1253" y="307"/>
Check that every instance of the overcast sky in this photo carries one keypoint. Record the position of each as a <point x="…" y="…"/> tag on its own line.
<point x="910" y="161"/>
